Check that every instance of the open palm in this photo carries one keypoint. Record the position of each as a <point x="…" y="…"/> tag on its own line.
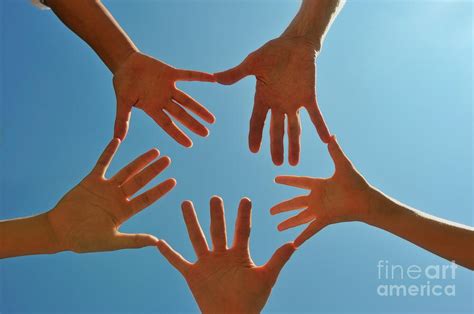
<point x="88" y="217"/>
<point x="150" y="85"/>
<point x="285" y="70"/>
<point x="343" y="197"/>
<point x="225" y="280"/>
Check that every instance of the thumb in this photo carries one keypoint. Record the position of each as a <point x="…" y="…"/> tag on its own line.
<point x="122" y="119"/>
<point x="134" y="241"/>
<point x="235" y="74"/>
<point x="279" y="259"/>
<point x="337" y="155"/>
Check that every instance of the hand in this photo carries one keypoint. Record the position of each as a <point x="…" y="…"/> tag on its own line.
<point x="88" y="217"/>
<point x="225" y="280"/>
<point x="285" y="72"/>
<point x="343" y="197"/>
<point x="149" y="84"/>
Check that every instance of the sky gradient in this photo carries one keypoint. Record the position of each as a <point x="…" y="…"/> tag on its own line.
<point x="394" y="84"/>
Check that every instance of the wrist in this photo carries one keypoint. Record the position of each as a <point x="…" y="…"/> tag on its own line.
<point x="306" y="40"/>
<point x="56" y="244"/>
<point x="380" y="209"/>
<point x="122" y="58"/>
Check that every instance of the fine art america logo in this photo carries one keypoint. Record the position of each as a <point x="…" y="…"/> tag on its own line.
<point x="415" y="280"/>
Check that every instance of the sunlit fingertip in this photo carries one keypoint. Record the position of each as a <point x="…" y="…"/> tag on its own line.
<point x="186" y="204"/>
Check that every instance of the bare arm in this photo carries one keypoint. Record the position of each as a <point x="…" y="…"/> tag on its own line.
<point x="27" y="236"/>
<point x="447" y="239"/>
<point x="91" y="21"/>
<point x="314" y="20"/>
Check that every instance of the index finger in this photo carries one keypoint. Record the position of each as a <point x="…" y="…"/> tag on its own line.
<point x="189" y="75"/>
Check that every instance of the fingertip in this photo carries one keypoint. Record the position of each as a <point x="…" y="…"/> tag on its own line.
<point x="185" y="205"/>
<point x="215" y="199"/>
<point x="278" y="179"/>
<point x="254" y="148"/>
<point x="167" y="160"/>
<point x="293" y="161"/>
<point x="246" y="199"/>
<point x="154" y="152"/>
<point x="116" y="140"/>
<point x="205" y="132"/>
<point x="211" y="119"/>
<point x="171" y="182"/>
<point x="273" y="211"/>
<point x="161" y="244"/>
<point x="152" y="240"/>
<point x="278" y="161"/>
<point x="188" y="143"/>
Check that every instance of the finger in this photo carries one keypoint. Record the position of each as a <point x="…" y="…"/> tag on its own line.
<point x="296" y="181"/>
<point x="144" y="200"/>
<point x="173" y="257"/>
<point x="196" y="235"/>
<point x="340" y="159"/>
<point x="302" y="218"/>
<point x="279" y="259"/>
<point x="189" y="75"/>
<point x="186" y="119"/>
<point x="188" y="102"/>
<point x="135" y="166"/>
<point x="298" y="202"/>
<point x="311" y="230"/>
<point x="107" y="155"/>
<point x="138" y="181"/>
<point x="294" y="133"/>
<point x="277" y="131"/>
<point x="122" y="119"/>
<point x="170" y="127"/>
<point x="218" y="232"/>
<point x="243" y="224"/>
<point x="133" y="241"/>
<point x="318" y="121"/>
<point x="257" y="122"/>
<point x="234" y="74"/>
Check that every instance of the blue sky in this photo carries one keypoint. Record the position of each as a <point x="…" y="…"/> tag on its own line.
<point x="394" y="83"/>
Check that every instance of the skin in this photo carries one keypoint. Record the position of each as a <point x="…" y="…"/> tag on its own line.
<point x="347" y="196"/>
<point x="226" y="280"/>
<point x="139" y="80"/>
<point x="88" y="218"/>
<point x="285" y="71"/>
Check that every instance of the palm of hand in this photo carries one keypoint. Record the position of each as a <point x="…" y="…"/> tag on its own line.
<point x="88" y="217"/>
<point x="343" y="197"/>
<point x="150" y="85"/>
<point x="285" y="71"/>
<point x="339" y="198"/>
<point x="226" y="279"/>
<point x="213" y="276"/>
<point x="146" y="83"/>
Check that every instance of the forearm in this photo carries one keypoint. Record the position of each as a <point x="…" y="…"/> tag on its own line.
<point x="313" y="20"/>
<point x="452" y="241"/>
<point x="27" y="236"/>
<point x="92" y="22"/>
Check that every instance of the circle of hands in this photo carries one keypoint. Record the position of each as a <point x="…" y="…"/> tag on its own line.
<point x="88" y="218"/>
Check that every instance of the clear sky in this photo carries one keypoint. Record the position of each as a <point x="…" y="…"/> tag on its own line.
<point x="394" y="83"/>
